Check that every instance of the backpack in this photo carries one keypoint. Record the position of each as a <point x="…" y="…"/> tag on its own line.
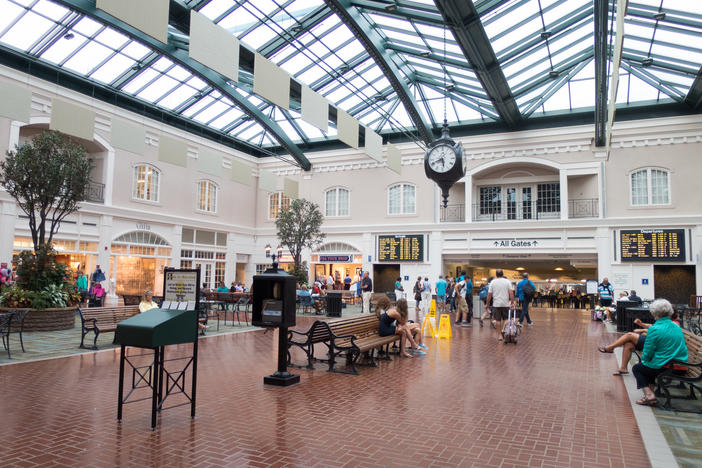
<point x="483" y="293"/>
<point x="528" y="290"/>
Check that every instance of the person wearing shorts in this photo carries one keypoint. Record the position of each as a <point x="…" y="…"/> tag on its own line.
<point x="441" y="295"/>
<point x="501" y="297"/>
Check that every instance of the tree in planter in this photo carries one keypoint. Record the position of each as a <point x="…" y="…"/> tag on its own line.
<point x="299" y="227"/>
<point x="48" y="177"/>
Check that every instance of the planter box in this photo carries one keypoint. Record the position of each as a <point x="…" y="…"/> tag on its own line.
<point x="48" y="319"/>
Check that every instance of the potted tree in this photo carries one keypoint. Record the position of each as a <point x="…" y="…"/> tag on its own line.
<point x="48" y="177"/>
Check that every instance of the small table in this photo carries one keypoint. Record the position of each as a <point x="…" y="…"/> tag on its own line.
<point x="218" y="306"/>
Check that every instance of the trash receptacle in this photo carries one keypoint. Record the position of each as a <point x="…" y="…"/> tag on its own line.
<point x="334" y="304"/>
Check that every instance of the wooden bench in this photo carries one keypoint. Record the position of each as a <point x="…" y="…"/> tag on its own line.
<point x="688" y="379"/>
<point x="103" y="319"/>
<point x="348" y="337"/>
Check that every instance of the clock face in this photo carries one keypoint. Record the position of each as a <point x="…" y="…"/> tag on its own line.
<point x="442" y="158"/>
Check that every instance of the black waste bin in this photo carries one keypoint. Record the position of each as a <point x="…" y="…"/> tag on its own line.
<point x="622" y="306"/>
<point x="641" y="313"/>
<point x="334" y="304"/>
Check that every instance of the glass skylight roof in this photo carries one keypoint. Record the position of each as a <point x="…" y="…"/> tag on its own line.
<point x="544" y="47"/>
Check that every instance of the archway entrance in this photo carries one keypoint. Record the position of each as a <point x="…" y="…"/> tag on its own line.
<point x="137" y="261"/>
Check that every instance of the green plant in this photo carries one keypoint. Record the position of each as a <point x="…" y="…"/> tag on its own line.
<point x="15" y="296"/>
<point x="299" y="226"/>
<point x="300" y="273"/>
<point x="51" y="296"/>
<point x="48" y="177"/>
<point x="36" y="271"/>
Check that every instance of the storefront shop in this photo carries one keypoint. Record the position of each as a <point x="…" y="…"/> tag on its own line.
<point x="338" y="260"/>
<point x="137" y="261"/>
<point x="80" y="255"/>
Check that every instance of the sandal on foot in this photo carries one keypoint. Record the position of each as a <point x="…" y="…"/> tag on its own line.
<point x="647" y="401"/>
<point x="621" y="372"/>
<point x="406" y="354"/>
<point x="602" y="349"/>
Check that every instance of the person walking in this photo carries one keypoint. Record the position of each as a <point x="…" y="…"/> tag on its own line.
<point x="468" y="296"/>
<point x="525" y="292"/>
<point x="450" y="293"/>
<point x="441" y="286"/>
<point x="399" y="290"/>
<point x="367" y="291"/>
<point x="417" y="290"/>
<point x="501" y="297"/>
<point x="462" y="307"/>
<point x="606" y="292"/>
<point x="426" y="296"/>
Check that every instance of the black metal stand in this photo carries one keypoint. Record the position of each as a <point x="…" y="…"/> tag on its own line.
<point x="282" y="378"/>
<point x="155" y="376"/>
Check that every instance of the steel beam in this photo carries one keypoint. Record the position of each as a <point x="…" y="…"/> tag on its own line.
<point x="694" y="95"/>
<point x="463" y="19"/>
<point x="601" y="17"/>
<point x="293" y="32"/>
<point x="365" y="32"/>
<point x="180" y="56"/>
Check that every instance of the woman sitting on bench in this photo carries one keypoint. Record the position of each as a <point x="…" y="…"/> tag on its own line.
<point x="664" y="342"/>
<point x="393" y="321"/>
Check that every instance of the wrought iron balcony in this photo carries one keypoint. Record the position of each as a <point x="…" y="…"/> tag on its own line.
<point x="95" y="193"/>
<point x="584" y="208"/>
<point x="514" y="211"/>
<point x="453" y="214"/>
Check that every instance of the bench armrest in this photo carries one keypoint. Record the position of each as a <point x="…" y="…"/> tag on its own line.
<point x="94" y="320"/>
<point x="685" y="363"/>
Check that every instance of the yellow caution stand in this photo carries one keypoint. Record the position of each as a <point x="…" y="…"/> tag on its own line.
<point x="432" y="308"/>
<point x="445" y="326"/>
<point x="429" y="326"/>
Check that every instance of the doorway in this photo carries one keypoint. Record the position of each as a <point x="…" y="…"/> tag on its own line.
<point x="674" y="282"/>
<point x="518" y="202"/>
<point x="384" y="277"/>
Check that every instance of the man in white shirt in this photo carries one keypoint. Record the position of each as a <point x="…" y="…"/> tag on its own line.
<point x="461" y="305"/>
<point x="501" y="297"/>
<point x="426" y="296"/>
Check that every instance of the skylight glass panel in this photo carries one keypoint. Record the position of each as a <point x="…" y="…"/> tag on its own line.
<point x="111" y="38"/>
<point x="162" y="64"/>
<point x="158" y="88"/>
<point x="198" y="106"/>
<point x="63" y="48"/>
<point x="141" y="80"/>
<point x="10" y="13"/>
<point x="211" y="112"/>
<point x="135" y="50"/>
<point x="29" y="29"/>
<point x="88" y="58"/>
<point x="50" y="10"/>
<point x="87" y="26"/>
<point x="113" y="68"/>
<point x="227" y="118"/>
<point x="176" y="97"/>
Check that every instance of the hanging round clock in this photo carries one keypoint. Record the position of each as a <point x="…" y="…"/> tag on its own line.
<point x="443" y="162"/>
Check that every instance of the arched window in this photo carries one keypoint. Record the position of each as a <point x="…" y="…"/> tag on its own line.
<point x="146" y="183"/>
<point x="276" y="202"/>
<point x="207" y="196"/>
<point x="336" y="202"/>
<point x="650" y="186"/>
<point x="402" y="199"/>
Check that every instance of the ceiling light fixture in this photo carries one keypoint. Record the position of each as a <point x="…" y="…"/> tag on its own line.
<point x="546" y="34"/>
<point x="659" y="16"/>
<point x="647" y="62"/>
<point x="558" y="268"/>
<point x="68" y="36"/>
<point x="553" y="74"/>
<point x="519" y="268"/>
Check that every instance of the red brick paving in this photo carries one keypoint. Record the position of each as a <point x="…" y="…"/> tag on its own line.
<point x="550" y="401"/>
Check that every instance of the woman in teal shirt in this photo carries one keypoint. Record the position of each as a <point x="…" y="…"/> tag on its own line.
<point x="664" y="341"/>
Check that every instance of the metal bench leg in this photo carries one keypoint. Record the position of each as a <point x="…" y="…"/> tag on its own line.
<point x="97" y="333"/>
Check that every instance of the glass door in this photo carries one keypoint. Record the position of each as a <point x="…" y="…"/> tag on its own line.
<point x="518" y="202"/>
<point x="526" y="203"/>
<point x="206" y="274"/>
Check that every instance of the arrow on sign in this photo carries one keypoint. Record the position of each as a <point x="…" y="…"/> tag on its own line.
<point x="496" y="243"/>
<point x="535" y="243"/>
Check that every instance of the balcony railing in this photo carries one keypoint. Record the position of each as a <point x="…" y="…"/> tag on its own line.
<point x="95" y="193"/>
<point x="584" y="208"/>
<point x="453" y="214"/>
<point x="514" y="211"/>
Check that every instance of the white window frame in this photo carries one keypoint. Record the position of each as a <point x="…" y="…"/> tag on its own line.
<point x="281" y="195"/>
<point x="210" y="186"/>
<point x="156" y="191"/>
<point x="649" y="186"/>
<point x="336" y="208"/>
<point x="402" y="199"/>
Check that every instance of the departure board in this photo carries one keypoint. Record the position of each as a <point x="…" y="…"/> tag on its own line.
<point x="401" y="248"/>
<point x="645" y="245"/>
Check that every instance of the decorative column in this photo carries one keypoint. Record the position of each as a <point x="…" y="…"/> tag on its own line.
<point x="103" y="257"/>
<point x="468" y="193"/>
<point x="8" y="215"/>
<point x="564" y="193"/>
<point x="230" y="267"/>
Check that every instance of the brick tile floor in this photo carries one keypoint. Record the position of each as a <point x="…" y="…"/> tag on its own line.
<point x="549" y="401"/>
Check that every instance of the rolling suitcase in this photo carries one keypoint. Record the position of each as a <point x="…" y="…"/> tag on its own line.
<point x="511" y="330"/>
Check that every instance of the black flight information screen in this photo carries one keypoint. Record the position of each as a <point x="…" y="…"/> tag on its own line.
<point x="401" y="248"/>
<point x="666" y="245"/>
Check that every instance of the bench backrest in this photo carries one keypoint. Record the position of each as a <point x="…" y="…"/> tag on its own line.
<point x="109" y="315"/>
<point x="694" y="351"/>
<point x="359" y="325"/>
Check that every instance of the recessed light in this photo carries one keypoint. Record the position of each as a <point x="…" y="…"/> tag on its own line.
<point x="558" y="269"/>
<point x="519" y="268"/>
